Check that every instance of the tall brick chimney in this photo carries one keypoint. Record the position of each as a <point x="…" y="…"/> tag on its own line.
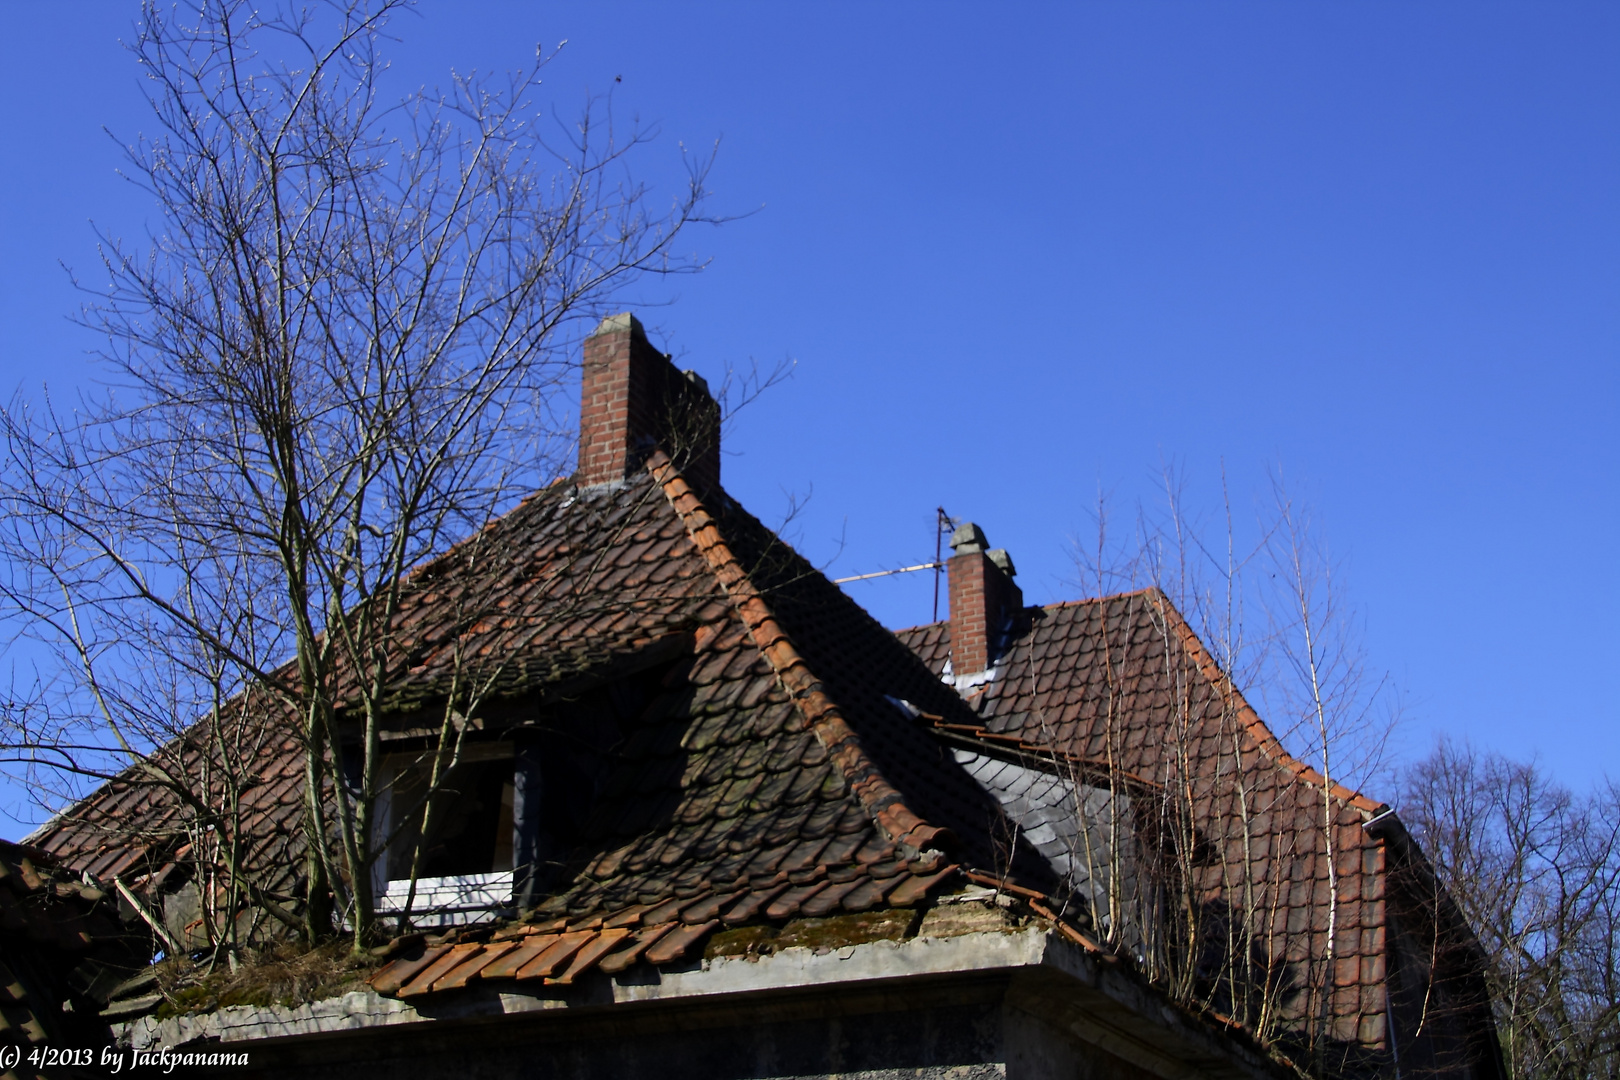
<point x="983" y="598"/>
<point x="633" y="399"/>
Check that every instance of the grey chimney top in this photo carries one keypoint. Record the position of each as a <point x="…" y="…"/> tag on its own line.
<point x="1002" y="560"/>
<point x="614" y="324"/>
<point x="968" y="539"/>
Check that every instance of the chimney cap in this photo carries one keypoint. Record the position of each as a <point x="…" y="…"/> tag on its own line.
<point x="1002" y="560"/>
<point x="968" y="539"/>
<point x="618" y="324"/>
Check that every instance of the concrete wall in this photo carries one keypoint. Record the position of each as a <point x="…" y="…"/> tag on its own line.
<point x="958" y="1003"/>
<point x="952" y="1032"/>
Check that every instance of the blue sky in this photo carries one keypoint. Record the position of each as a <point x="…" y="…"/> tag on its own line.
<point x="1024" y="254"/>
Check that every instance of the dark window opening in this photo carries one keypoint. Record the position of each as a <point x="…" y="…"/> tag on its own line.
<point x="469" y="825"/>
<point x="565" y="756"/>
<point x="527" y="802"/>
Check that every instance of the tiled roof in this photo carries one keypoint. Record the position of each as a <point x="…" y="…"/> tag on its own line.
<point x="775" y="782"/>
<point x="552" y="591"/>
<point x="1122" y="686"/>
<point x="767" y="776"/>
<point x="770" y="773"/>
<point x="59" y="939"/>
<point x="560" y="585"/>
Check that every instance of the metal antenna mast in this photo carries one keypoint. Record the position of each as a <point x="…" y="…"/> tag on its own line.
<point x="942" y="524"/>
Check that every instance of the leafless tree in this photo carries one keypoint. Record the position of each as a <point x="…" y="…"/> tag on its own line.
<point x="1212" y="817"/>
<point x="341" y="349"/>
<point x="1535" y="870"/>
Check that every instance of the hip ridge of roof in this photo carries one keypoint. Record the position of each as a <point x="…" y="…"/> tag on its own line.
<point x="883" y="802"/>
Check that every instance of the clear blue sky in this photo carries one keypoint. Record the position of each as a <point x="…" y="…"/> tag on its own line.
<point x="1021" y="253"/>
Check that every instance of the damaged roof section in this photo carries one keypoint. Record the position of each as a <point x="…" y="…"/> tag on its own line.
<point x="62" y="943"/>
<point x="557" y="952"/>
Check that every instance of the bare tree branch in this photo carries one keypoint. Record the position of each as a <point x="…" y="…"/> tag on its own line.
<point x="342" y="348"/>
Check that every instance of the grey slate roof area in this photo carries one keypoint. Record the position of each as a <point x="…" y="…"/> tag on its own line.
<point x="1084" y="832"/>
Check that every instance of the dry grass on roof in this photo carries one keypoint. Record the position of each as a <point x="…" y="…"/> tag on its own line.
<point x="286" y="974"/>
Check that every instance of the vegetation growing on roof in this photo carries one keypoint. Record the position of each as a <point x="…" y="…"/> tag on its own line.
<point x="285" y="974"/>
<point x="823" y="934"/>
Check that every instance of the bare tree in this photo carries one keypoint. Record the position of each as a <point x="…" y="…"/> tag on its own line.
<point x="341" y="349"/>
<point x="1535" y="870"/>
<point x="1211" y="808"/>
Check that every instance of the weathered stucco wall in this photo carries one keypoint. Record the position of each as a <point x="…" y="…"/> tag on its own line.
<point x="935" y="1035"/>
<point x="1021" y="1005"/>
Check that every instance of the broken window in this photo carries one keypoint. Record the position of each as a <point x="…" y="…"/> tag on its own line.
<point x="506" y="821"/>
<point x="564" y="756"/>
<point x="469" y="824"/>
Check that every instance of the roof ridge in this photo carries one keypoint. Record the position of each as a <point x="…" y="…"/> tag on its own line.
<point x="882" y="801"/>
<point x="1265" y="739"/>
<point x="1038" y="607"/>
<point x="1101" y="599"/>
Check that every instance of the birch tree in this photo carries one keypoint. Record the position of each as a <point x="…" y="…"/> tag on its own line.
<point x="1213" y="815"/>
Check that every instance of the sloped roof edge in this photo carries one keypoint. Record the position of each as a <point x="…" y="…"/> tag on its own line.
<point x="1268" y="742"/>
<point x="883" y="802"/>
<point x="1253" y="724"/>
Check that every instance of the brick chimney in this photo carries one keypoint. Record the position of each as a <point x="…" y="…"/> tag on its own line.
<point x="633" y="399"/>
<point x="983" y="598"/>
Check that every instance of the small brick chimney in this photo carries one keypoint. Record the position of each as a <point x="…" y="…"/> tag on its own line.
<point x="633" y="399"/>
<point x="983" y="598"/>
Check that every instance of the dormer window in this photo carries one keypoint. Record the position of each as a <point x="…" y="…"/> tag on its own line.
<point x="465" y="871"/>
<point x="470" y="823"/>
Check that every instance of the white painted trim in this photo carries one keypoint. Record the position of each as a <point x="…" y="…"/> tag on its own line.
<point x="450" y="901"/>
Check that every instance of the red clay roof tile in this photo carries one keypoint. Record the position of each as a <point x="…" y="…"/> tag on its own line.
<point x="674" y="945"/>
<point x="632" y="951"/>
<point x="428" y="973"/>
<point x="559" y="950"/>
